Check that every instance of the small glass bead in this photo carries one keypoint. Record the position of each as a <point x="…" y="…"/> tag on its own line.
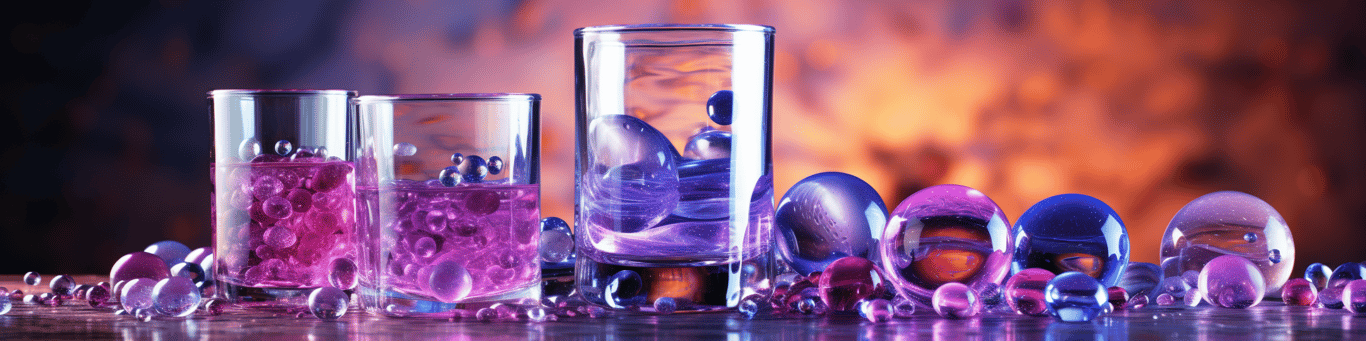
<point x="404" y="149"/>
<point x="283" y="147"/>
<point x="1354" y="296"/>
<point x="342" y="274"/>
<point x="450" y="281"/>
<point x="137" y="294"/>
<point x="956" y="301"/>
<point x="144" y="315"/>
<point x="719" y="107"/>
<point x="1118" y="297"/>
<point x="450" y="176"/>
<point x="473" y="169"/>
<point x="1075" y="297"/>
<point x="1298" y="292"/>
<point x="32" y="278"/>
<point x="1136" y="302"/>
<point x="624" y="290"/>
<point x="848" y="280"/>
<point x="748" y="308"/>
<point x="1331" y="295"/>
<point x="1165" y="299"/>
<point x="666" y="305"/>
<point x="1024" y="291"/>
<point x="1194" y="297"/>
<point x="97" y="296"/>
<point x="457" y="158"/>
<point x="327" y="303"/>
<point x="1231" y="281"/>
<point x="62" y="285"/>
<point x="175" y="296"/>
<point x="1318" y="275"/>
<point x="876" y="310"/>
<point x="495" y="165"/>
<point x="485" y="315"/>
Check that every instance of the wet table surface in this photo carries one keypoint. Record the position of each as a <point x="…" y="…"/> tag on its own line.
<point x="1270" y="320"/>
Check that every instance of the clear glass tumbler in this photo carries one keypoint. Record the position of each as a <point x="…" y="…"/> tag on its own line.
<point x="652" y="223"/>
<point x="284" y="192"/>
<point x="450" y="208"/>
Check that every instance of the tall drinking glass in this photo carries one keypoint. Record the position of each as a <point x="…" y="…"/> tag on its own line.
<point x="450" y="208"/>
<point x="652" y="223"/>
<point x="284" y="192"/>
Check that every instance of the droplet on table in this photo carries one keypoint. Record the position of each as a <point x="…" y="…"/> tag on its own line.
<point x="956" y="301"/>
<point x="175" y="296"/>
<point x="1024" y="291"/>
<point x="327" y="303"/>
<point x="1075" y="297"/>
<point x="1231" y="281"/>
<point x="876" y="310"/>
<point x="137" y="294"/>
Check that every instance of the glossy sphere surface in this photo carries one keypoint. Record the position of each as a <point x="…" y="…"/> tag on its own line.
<point x="630" y="180"/>
<point x="1140" y="278"/>
<point x="175" y="296"/>
<point x="624" y="290"/>
<point x="97" y="296"/>
<point x="1118" y="297"/>
<point x="1024" y="292"/>
<point x="32" y="278"/>
<point x="170" y="251"/>
<point x="1318" y="274"/>
<point x="708" y="144"/>
<point x="956" y="300"/>
<point x="849" y="280"/>
<point x="876" y="310"/>
<point x="5" y="304"/>
<point x="1354" y="296"/>
<point x="1231" y="281"/>
<point x="139" y="265"/>
<point x="327" y="303"/>
<point x="557" y="241"/>
<point x="1072" y="232"/>
<point x="1331" y="295"/>
<point x="1229" y="223"/>
<point x="828" y="216"/>
<point x="946" y="234"/>
<point x="1075" y="297"/>
<point x="62" y="285"/>
<point x="137" y="294"/>
<point x="719" y="107"/>
<point x="1298" y="292"/>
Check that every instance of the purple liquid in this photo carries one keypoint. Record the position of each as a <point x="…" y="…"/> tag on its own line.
<point x="427" y="233"/>
<point x="281" y="224"/>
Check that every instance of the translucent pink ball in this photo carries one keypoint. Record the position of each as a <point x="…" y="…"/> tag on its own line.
<point x="1299" y="292"/>
<point x="1354" y="296"/>
<point x="849" y="280"/>
<point x="956" y="301"/>
<point x="1231" y="281"/>
<point x="1024" y="291"/>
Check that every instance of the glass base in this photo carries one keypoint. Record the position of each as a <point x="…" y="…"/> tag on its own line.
<point x="694" y="289"/>
<point x="396" y="304"/>
<point x="254" y="298"/>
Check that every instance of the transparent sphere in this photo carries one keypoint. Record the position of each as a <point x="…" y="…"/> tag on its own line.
<point x="956" y="301"/>
<point x="849" y="280"/>
<point x="556" y="246"/>
<point x="1075" y="297"/>
<point x="175" y="296"/>
<point x="537" y="314"/>
<point x="62" y="285"/>
<point x="137" y="294"/>
<point x="666" y="305"/>
<point x="327" y="303"/>
<point x="1137" y="301"/>
<point x="876" y="310"/>
<point x="473" y="169"/>
<point x="189" y="270"/>
<point x="214" y="306"/>
<point x="708" y="144"/>
<point x="5" y="304"/>
<point x="32" y="278"/>
<point x="828" y="216"/>
<point x="748" y="307"/>
<point x="1318" y="274"/>
<point x="144" y="315"/>
<point x="342" y="274"/>
<point x="719" y="107"/>
<point x="1218" y="224"/>
<point x="249" y="149"/>
<point x="1331" y="295"/>
<point x="450" y="176"/>
<point x="625" y="289"/>
<point x="903" y="308"/>
<point x="1072" y="232"/>
<point x="1231" y="281"/>
<point x="630" y="182"/>
<point x="1024" y="291"/>
<point x="495" y="165"/>
<point x="1139" y="278"/>
<point x="946" y="234"/>
<point x="1165" y="299"/>
<point x="1299" y="292"/>
<point x="1118" y="297"/>
<point x="404" y="149"/>
<point x="283" y="147"/>
<point x="97" y="296"/>
<point x="449" y="281"/>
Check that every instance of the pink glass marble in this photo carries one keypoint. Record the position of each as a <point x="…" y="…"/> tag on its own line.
<point x="849" y="280"/>
<point x="1299" y="292"/>
<point x="1024" y="291"/>
<point x="956" y="301"/>
<point x="139" y="265"/>
<point x="1118" y="297"/>
<point x="1354" y="296"/>
<point x="1231" y="281"/>
<point x="946" y="234"/>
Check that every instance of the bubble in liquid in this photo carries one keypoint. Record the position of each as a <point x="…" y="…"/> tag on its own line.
<point x="189" y="270"/>
<point x="1298" y="292"/>
<point x="474" y="169"/>
<point x="276" y="207"/>
<point x="342" y="274"/>
<point x="665" y="305"/>
<point x="327" y="303"/>
<point x="175" y="296"/>
<point x="849" y="280"/>
<point x="1075" y="297"/>
<point x="1229" y="223"/>
<point x="903" y="308"/>
<point x="1140" y="279"/>
<point x="828" y="216"/>
<point x="1072" y="232"/>
<point x="32" y="278"/>
<point x="97" y="296"/>
<point x="283" y="147"/>
<point x="956" y="301"/>
<point x="624" y="289"/>
<point x="450" y="282"/>
<point x="450" y="176"/>
<point x="139" y="265"/>
<point x="630" y="182"/>
<point x="709" y="144"/>
<point x="279" y="237"/>
<point x="404" y="149"/>
<point x="137" y="294"/>
<point x="1231" y="281"/>
<point x="1318" y="274"/>
<point x="214" y="306"/>
<point x="495" y="165"/>
<point x="876" y="310"/>
<point x="1024" y="291"/>
<point x="169" y="251"/>
<point x="62" y="285"/>
<point x="1331" y="295"/>
<point x="719" y="107"/>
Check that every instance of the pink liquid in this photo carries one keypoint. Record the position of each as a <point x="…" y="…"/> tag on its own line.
<point x="280" y="224"/>
<point x="491" y="230"/>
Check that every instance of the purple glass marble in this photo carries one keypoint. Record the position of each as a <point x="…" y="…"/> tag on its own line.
<point x="1298" y="292"/>
<point x="139" y="265"/>
<point x="62" y="285"/>
<point x="170" y="251"/>
<point x="849" y="280"/>
<point x="5" y="304"/>
<point x="214" y="306"/>
<point x="175" y="296"/>
<point x="327" y="303"/>
<point x="32" y="278"/>
<point x="1231" y="281"/>
<point x="828" y="216"/>
<point x="876" y="310"/>
<point x="946" y="234"/>
<point x="1118" y="297"/>
<point x="97" y="296"/>
<point x="137" y="293"/>
<point x="631" y="180"/>
<point x="1220" y="223"/>
<point x="956" y="301"/>
<point x="1318" y="274"/>
<point x="708" y="144"/>
<point x="1075" y="297"/>
<point x="1140" y="279"/>
<point x="1174" y="286"/>
<point x="1354" y="296"/>
<point x="1024" y="292"/>
<point x="1331" y="295"/>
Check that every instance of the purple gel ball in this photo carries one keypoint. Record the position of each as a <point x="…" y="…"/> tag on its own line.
<point x="1231" y="281"/>
<point x="946" y="234"/>
<point x="849" y="280"/>
<point x="139" y="265"/>
<point x="449" y="281"/>
<point x="1229" y="223"/>
<point x="1024" y="291"/>
<point x="956" y="300"/>
<point x="828" y="216"/>
<point x="1298" y="292"/>
<point x="329" y="176"/>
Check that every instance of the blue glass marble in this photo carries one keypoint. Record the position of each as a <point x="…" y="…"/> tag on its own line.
<point x="666" y="305"/>
<point x="169" y="251"/>
<point x="1139" y="278"/>
<point x="457" y="158"/>
<point x="1229" y="223"/>
<point x="1072" y="232"/>
<point x="495" y="165"/>
<point x="450" y="176"/>
<point x="1075" y="297"/>
<point x="719" y="107"/>
<point x="175" y="296"/>
<point x="829" y="216"/>
<point x="557" y="241"/>
<point x="1231" y="281"/>
<point x="629" y="177"/>
<point x="709" y="144"/>
<point x="283" y="147"/>
<point x="625" y="289"/>
<point x="1318" y="274"/>
<point x="328" y="303"/>
<point x="473" y="169"/>
<point x="946" y="234"/>
<point x="1331" y="295"/>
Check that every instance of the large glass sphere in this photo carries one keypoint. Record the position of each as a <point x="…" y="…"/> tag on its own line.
<point x="1229" y="223"/>
<point x="1072" y="232"/>
<point x="945" y="234"/>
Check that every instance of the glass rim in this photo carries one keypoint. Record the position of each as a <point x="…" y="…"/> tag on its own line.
<point x="499" y="96"/>
<point x="252" y="92"/>
<point x="675" y="27"/>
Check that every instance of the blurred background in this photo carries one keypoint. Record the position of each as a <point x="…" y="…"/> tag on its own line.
<point x="1143" y="104"/>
